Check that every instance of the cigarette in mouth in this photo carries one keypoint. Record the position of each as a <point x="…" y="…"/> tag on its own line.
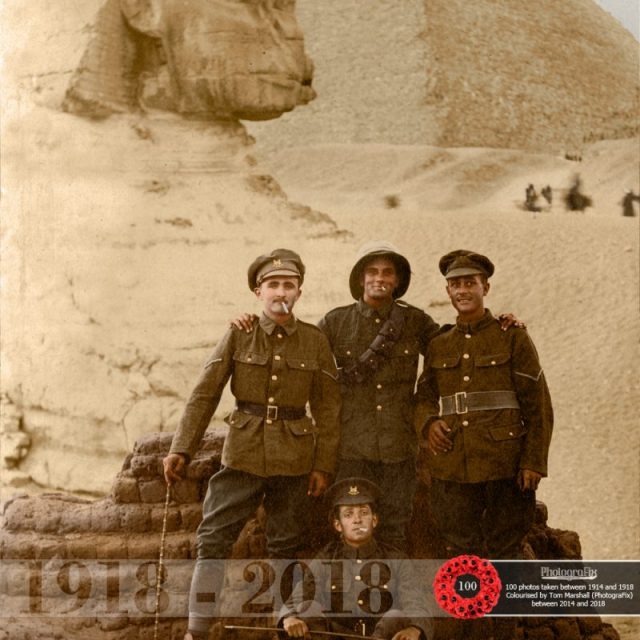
<point x="284" y="306"/>
<point x="383" y="287"/>
<point x="362" y="529"/>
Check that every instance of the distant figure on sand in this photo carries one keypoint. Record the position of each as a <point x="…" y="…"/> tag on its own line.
<point x="628" y="210"/>
<point x="531" y="198"/>
<point x="575" y="199"/>
<point x="547" y="194"/>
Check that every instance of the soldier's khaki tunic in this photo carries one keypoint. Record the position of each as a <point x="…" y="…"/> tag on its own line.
<point x="489" y="444"/>
<point x="284" y="366"/>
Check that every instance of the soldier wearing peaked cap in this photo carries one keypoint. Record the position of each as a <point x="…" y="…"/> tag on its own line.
<point x="377" y="342"/>
<point x="274" y="451"/>
<point x="402" y="614"/>
<point x="485" y="414"/>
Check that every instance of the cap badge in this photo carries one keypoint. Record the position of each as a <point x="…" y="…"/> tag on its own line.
<point x="353" y="491"/>
<point x="277" y="263"/>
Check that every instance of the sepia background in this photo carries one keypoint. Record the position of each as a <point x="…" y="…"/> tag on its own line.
<point x="126" y="235"/>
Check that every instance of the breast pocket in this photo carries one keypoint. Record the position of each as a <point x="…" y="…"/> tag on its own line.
<point x="495" y="369"/>
<point x="404" y="361"/>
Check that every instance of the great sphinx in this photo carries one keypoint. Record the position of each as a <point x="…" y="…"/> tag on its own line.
<point x="206" y="60"/>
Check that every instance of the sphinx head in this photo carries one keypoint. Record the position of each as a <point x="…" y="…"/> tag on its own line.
<point x="204" y="59"/>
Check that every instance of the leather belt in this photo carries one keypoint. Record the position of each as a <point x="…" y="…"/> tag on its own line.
<point x="271" y="411"/>
<point x="463" y="402"/>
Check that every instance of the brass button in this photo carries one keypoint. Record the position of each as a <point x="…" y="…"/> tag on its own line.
<point x="378" y="386"/>
<point x="232" y="422"/>
<point x="274" y="377"/>
<point x="377" y="320"/>
<point x="406" y="350"/>
<point x="465" y="423"/>
<point x="466" y="356"/>
<point x="269" y="421"/>
<point x="279" y="335"/>
<point x="379" y="407"/>
<point x="272" y="399"/>
<point x="358" y="578"/>
<point x="493" y="362"/>
<point x="444" y="366"/>
<point x="510" y="433"/>
<point x="276" y="357"/>
<point x="361" y="602"/>
<point x="302" y="364"/>
<point x="348" y="353"/>
<point x="466" y="378"/>
<point x="249" y="358"/>
<point x="358" y="561"/>
<point x="467" y="335"/>
<point x="333" y="587"/>
<point x="385" y="586"/>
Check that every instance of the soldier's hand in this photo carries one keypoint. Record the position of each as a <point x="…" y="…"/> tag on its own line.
<point x="509" y="320"/>
<point x="295" y="627"/>
<point x="318" y="483"/>
<point x="438" y="438"/>
<point x="528" y="480"/>
<point x="174" y="465"/>
<point x="244" y="322"/>
<point x="409" y="633"/>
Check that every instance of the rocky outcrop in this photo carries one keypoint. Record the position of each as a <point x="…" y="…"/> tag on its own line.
<point x="126" y="526"/>
<point x="546" y="76"/>
<point x="127" y="230"/>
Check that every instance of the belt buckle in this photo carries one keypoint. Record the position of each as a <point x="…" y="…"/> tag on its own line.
<point x="272" y="412"/>
<point x="460" y="401"/>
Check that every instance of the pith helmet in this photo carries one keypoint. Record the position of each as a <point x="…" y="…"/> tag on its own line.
<point x="465" y="263"/>
<point x="375" y="249"/>
<point x="280" y="262"/>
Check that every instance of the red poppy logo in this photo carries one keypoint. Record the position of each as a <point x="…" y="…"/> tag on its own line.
<point x="467" y="587"/>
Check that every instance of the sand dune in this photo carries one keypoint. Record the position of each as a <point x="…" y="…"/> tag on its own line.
<point x="573" y="277"/>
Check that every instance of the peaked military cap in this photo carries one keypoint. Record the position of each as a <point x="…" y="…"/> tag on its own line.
<point x="280" y="262"/>
<point x="383" y="249"/>
<point x="352" y="491"/>
<point x="465" y="263"/>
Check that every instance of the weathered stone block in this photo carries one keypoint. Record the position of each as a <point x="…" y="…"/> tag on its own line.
<point x="112" y="548"/>
<point x="146" y="466"/>
<point x="82" y="549"/>
<point x="174" y="519"/>
<point x="105" y="516"/>
<point x="19" y="514"/>
<point x="539" y="633"/>
<point x="590" y="625"/>
<point x="143" y="547"/>
<point x="135" y="518"/>
<point x="567" y="629"/>
<point x="186" y="491"/>
<point x="125" y="490"/>
<point x="191" y="515"/>
<point x="153" y="490"/>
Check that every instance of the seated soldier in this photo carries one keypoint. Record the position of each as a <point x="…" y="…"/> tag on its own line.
<point x="344" y="571"/>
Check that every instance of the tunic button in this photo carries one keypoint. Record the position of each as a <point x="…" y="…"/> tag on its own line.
<point x="377" y="320"/>
<point x="465" y="423"/>
<point x="274" y="377"/>
<point x="279" y="335"/>
<point x="379" y="407"/>
<point x="358" y="561"/>
<point x="302" y="364"/>
<point x="378" y="386"/>
<point x="360" y="602"/>
<point x="272" y="399"/>
<point x="510" y="433"/>
<point x="333" y="587"/>
<point x="493" y="362"/>
<point x="249" y="358"/>
<point x="466" y="356"/>
<point x="276" y="357"/>
<point x="269" y="421"/>
<point x="467" y="335"/>
<point x="358" y="578"/>
<point x="406" y="350"/>
<point x="348" y="353"/>
<point x="466" y="378"/>
<point x="385" y="586"/>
